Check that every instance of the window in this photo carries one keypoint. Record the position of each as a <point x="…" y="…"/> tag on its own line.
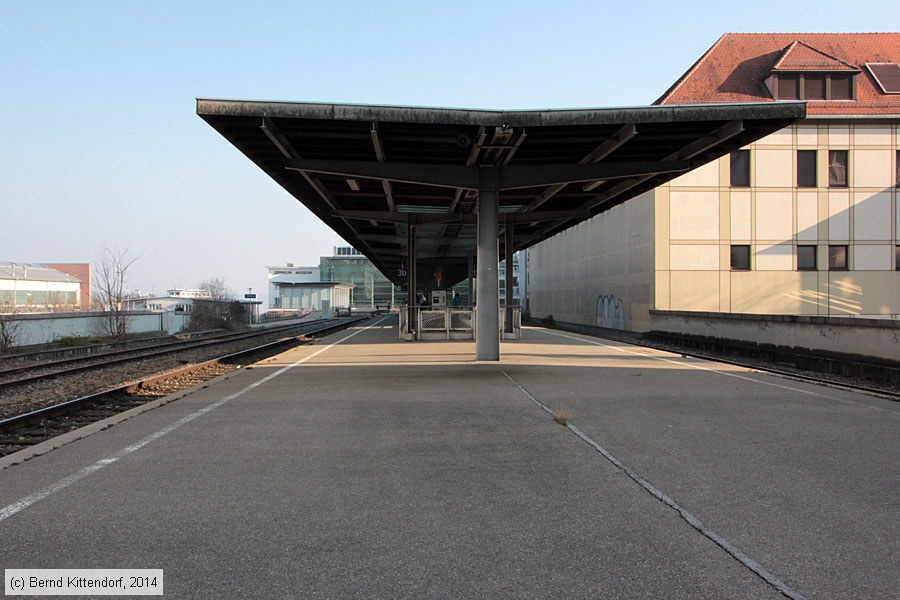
<point x="740" y="258"/>
<point x="788" y="87"/>
<point x="897" y="258"/>
<point x="814" y="87"/>
<point x="740" y="168"/>
<point x="806" y="258"/>
<point x="837" y="168"/>
<point x="837" y="258"/>
<point x="887" y="75"/>
<point x="898" y="168"/>
<point x="806" y="168"/>
<point x="842" y="87"/>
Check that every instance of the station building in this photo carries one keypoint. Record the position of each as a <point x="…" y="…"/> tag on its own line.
<point x="302" y="290"/>
<point x="42" y="286"/>
<point x="802" y="222"/>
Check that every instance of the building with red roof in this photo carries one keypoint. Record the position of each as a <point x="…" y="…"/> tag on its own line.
<point x="803" y="222"/>
<point x="765" y="67"/>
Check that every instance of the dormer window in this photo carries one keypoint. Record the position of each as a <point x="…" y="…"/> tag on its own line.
<point x="805" y="73"/>
<point x="815" y="86"/>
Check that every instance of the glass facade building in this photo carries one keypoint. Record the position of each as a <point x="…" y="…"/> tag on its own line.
<point x="370" y="289"/>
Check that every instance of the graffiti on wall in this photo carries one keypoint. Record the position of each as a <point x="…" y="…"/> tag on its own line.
<point x="610" y="312"/>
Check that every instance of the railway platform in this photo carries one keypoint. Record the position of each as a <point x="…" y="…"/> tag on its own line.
<point x="364" y="466"/>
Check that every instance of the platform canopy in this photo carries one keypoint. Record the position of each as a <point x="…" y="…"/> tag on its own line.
<point x="371" y="171"/>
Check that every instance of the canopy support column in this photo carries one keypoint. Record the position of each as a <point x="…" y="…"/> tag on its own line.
<point x="411" y="304"/>
<point x="471" y="288"/>
<point x="487" y="321"/>
<point x="508" y="299"/>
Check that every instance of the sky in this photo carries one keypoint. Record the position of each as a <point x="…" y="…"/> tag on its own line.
<point x="101" y="147"/>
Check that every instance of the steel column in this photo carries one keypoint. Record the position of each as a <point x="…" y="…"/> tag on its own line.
<point x="509" y="301"/>
<point x="487" y="321"/>
<point x="411" y="276"/>
<point x="470" y="300"/>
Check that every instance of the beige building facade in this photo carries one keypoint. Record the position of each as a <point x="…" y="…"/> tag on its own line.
<point x="822" y="250"/>
<point x="803" y="222"/>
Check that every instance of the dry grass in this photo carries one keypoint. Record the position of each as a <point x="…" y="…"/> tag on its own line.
<point x="562" y="416"/>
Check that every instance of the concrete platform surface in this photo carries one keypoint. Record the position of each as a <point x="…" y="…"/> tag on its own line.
<point x="367" y="467"/>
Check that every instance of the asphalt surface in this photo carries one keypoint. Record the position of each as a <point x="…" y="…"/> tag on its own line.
<point x="383" y="469"/>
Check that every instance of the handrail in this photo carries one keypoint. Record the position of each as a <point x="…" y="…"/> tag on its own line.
<point x="451" y="322"/>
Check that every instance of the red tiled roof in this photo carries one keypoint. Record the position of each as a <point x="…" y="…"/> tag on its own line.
<point x="735" y="69"/>
<point x="803" y="57"/>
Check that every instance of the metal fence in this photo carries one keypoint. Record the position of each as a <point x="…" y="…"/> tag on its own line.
<point x="437" y="323"/>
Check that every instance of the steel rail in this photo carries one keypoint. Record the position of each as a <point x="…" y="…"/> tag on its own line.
<point x="889" y="394"/>
<point x="127" y="355"/>
<point x="674" y="349"/>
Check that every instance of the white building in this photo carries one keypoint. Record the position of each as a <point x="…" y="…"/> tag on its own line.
<point x="24" y="285"/>
<point x="293" y="288"/>
<point x="176" y="300"/>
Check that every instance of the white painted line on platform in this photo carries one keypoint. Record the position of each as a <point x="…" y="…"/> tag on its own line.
<point x="683" y="363"/>
<point x="693" y="521"/>
<point x="22" y="504"/>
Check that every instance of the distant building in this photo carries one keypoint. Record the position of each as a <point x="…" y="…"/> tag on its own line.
<point x="301" y="290"/>
<point x="802" y="222"/>
<point x="82" y="271"/>
<point x="39" y="286"/>
<point x="176" y="300"/>
<point x="289" y="288"/>
<point x="370" y="288"/>
<point x="520" y="283"/>
<point x="188" y="293"/>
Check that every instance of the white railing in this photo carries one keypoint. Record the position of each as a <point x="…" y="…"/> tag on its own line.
<point x="452" y="323"/>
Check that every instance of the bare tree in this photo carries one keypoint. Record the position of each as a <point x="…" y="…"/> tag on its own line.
<point x="216" y="288"/>
<point x="217" y="311"/>
<point x="110" y="272"/>
<point x="9" y="330"/>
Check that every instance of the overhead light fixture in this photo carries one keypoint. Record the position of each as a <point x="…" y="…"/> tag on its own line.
<point x="354" y="185"/>
<point x="509" y="208"/>
<point x="415" y="208"/>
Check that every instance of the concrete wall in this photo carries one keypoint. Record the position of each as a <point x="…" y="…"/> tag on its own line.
<point x="47" y="327"/>
<point x="599" y="272"/>
<point x="848" y="335"/>
<point x="173" y="322"/>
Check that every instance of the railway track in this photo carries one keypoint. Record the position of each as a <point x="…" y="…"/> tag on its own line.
<point x="34" y="369"/>
<point x="31" y="428"/>
<point x="779" y="369"/>
<point x="792" y="374"/>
